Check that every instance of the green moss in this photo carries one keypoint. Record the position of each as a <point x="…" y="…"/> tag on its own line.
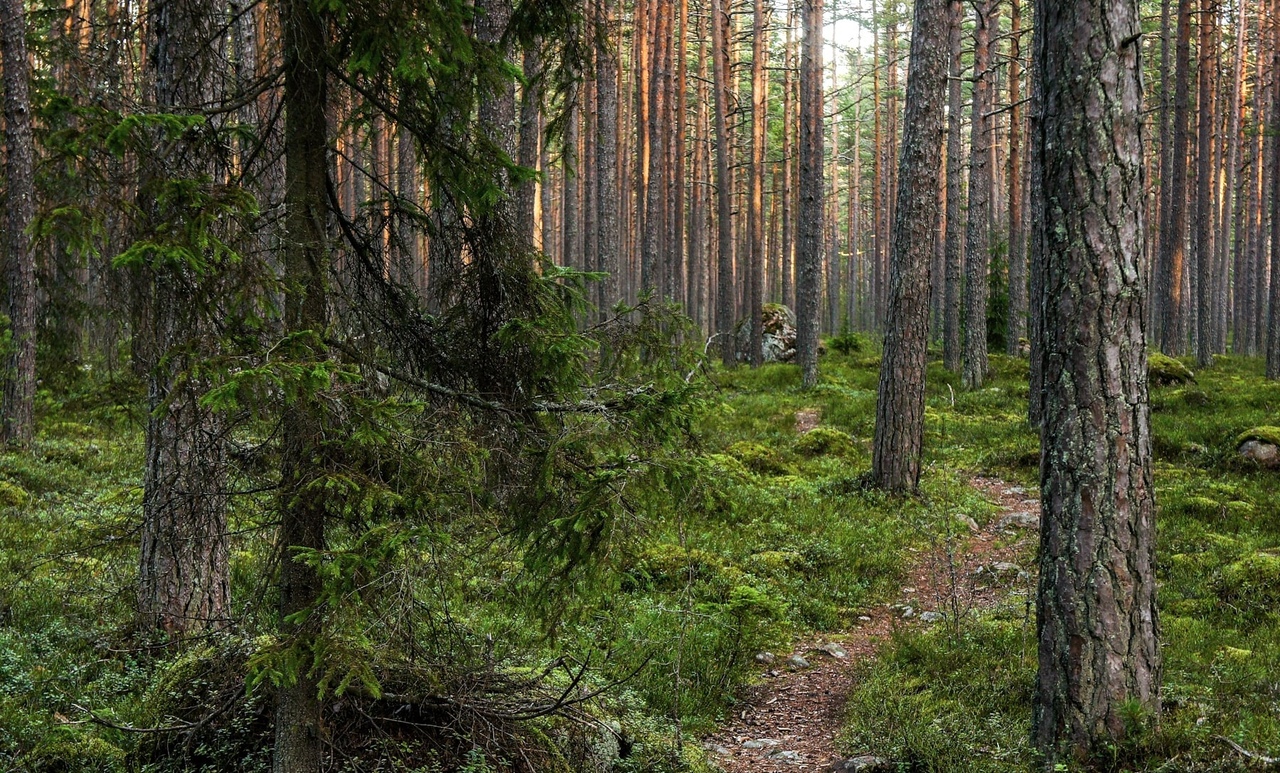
<point x="824" y="440"/>
<point x="1163" y="370"/>
<point x="1253" y="581"/>
<point x="12" y="495"/>
<point x="760" y="458"/>
<point x="1269" y="435"/>
<point x="71" y="751"/>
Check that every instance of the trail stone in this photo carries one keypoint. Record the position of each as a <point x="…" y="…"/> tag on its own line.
<point x="863" y="764"/>
<point x="1018" y="521"/>
<point x="967" y="521"/>
<point x="834" y="650"/>
<point x="796" y="661"/>
<point x="787" y="756"/>
<point x="716" y="748"/>
<point x="931" y="617"/>
<point x="760" y="743"/>
<point x="765" y="657"/>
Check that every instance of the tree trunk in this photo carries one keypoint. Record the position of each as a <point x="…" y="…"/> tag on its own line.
<point x="1096" y="613"/>
<point x="788" y="164"/>
<point x="810" y="231"/>
<point x="1172" y="332"/>
<point x="899" y="432"/>
<point x="299" y="722"/>
<point x="530" y="102"/>
<point x="18" y="379"/>
<point x="1017" y="329"/>
<point x="1273" y="321"/>
<point x="609" y="243"/>
<point x="724" y="240"/>
<point x="1205" y="174"/>
<point x="182" y="574"/>
<point x="977" y="258"/>
<point x="755" y="203"/>
<point x="951" y="351"/>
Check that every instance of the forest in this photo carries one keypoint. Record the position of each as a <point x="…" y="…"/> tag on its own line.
<point x="613" y="386"/>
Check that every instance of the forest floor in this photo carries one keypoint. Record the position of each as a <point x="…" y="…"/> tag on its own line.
<point x="793" y="718"/>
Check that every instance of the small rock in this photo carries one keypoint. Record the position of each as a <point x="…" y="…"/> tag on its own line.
<point x="931" y="617"/>
<point x="787" y="756"/>
<point x="796" y="661"/>
<point x="773" y="672"/>
<point x="834" y="650"/>
<point x="716" y="748"/>
<point x="1000" y="569"/>
<point x="863" y="619"/>
<point x="1264" y="454"/>
<point x="1017" y="490"/>
<point x="765" y="658"/>
<point x="865" y="763"/>
<point x="1018" y="521"/>
<point x="908" y="613"/>
<point x="760" y="743"/>
<point x="967" y="521"/>
<point x="908" y="590"/>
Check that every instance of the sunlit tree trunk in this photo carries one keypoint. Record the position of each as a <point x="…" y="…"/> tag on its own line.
<point x="899" y="431"/>
<point x="1099" y="656"/>
<point x="724" y="222"/>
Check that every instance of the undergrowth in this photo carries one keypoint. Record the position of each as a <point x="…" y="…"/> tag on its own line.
<point x="938" y="701"/>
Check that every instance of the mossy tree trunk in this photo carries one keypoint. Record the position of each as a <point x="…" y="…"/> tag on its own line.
<point x="899" y="431"/>
<point x="1099" y="655"/>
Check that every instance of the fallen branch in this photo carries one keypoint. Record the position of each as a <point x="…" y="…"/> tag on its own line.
<point x="1256" y="757"/>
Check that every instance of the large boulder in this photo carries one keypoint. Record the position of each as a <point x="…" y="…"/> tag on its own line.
<point x="779" y="335"/>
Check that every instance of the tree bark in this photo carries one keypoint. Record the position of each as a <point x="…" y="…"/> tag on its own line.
<point x="182" y="574"/>
<point x="899" y="432"/>
<point x="1096" y="611"/>
<point x="299" y="720"/>
<point x="1205" y="175"/>
<point x="951" y="352"/>
<point x="977" y="258"/>
<point x="609" y="242"/>
<point x="724" y="222"/>
<point x="1172" y="332"/>
<point x="1017" y="329"/>
<point x="755" y="203"/>
<point x="810" y="230"/>
<point x="1273" y="321"/>
<point x="18" y="379"/>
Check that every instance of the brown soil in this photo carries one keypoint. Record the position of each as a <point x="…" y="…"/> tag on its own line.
<point x="802" y="710"/>
<point x="807" y="419"/>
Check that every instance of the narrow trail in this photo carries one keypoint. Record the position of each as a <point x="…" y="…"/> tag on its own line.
<point x="790" y="721"/>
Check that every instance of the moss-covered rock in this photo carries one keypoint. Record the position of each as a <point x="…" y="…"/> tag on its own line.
<point x="824" y="440"/>
<point x="1163" y="370"/>
<point x="1260" y="445"/>
<point x="12" y="495"/>
<point x="1268" y="435"/>
<point x="760" y="458"/>
<point x="1253" y="581"/>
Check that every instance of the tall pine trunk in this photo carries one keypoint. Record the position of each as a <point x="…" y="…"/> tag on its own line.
<point x="724" y="214"/>
<point x="899" y="431"/>
<point x="977" y="247"/>
<point x="299" y="721"/>
<point x="954" y="258"/>
<point x="810" y="231"/>
<point x="1099" y="656"/>
<point x="18" y="379"/>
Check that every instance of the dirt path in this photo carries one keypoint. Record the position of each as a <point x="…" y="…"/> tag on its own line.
<point x="790" y="721"/>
